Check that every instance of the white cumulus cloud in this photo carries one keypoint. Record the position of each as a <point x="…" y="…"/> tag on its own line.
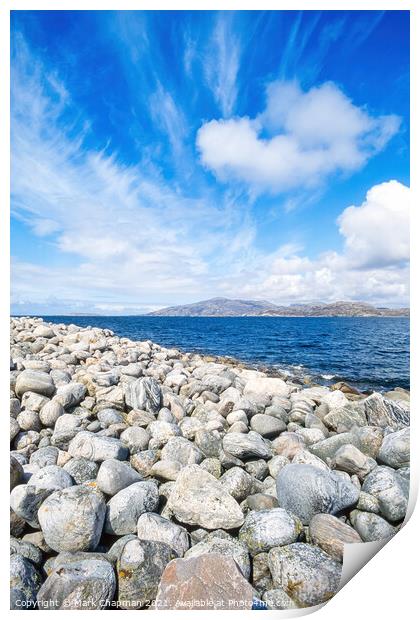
<point x="297" y="141"/>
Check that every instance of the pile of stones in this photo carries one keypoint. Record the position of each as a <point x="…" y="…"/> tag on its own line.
<point x="145" y="477"/>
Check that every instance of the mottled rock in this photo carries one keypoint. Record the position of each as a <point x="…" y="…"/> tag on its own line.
<point x="288" y="445"/>
<point x="45" y="456"/>
<point x="331" y="534"/>
<point x="305" y="491"/>
<point x="237" y="483"/>
<point x="383" y="412"/>
<point x="267" y="425"/>
<point x="246" y="446"/>
<point x="83" y="581"/>
<point x="97" y="448"/>
<point x="139" y="568"/>
<point x="306" y="573"/>
<point x="16" y="473"/>
<point x="210" y="581"/>
<point x="278" y="599"/>
<point x="26" y="550"/>
<point x="350" y="459"/>
<point x="181" y="450"/>
<point x="144" y="393"/>
<point x="50" y="413"/>
<point x="72" y="519"/>
<point x="70" y="395"/>
<point x="114" y="476"/>
<point x="197" y="498"/>
<point x="395" y="449"/>
<point x="34" y="381"/>
<point x="371" y="526"/>
<point x="25" y="582"/>
<point x="124" y="509"/>
<point x="152" y="526"/>
<point x="391" y="489"/>
<point x="81" y="470"/>
<point x="136" y="439"/>
<point x="265" y="529"/>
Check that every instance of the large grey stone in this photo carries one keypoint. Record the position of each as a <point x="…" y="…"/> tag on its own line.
<point x="144" y="393"/>
<point x="392" y="491"/>
<point x="139" y="568"/>
<point x="383" y="412"/>
<point x="152" y="526"/>
<point x="267" y="425"/>
<point x="81" y="470"/>
<point x="245" y="446"/>
<point x="25" y="581"/>
<point x="114" y="476"/>
<point x="181" y="450"/>
<point x="371" y="526"/>
<point x="198" y="498"/>
<point x="306" y="573"/>
<point x="265" y="529"/>
<point x="97" y="447"/>
<point x="395" y="449"/>
<point x="84" y="581"/>
<point x="305" y="491"/>
<point x="34" y="381"/>
<point x="72" y="519"/>
<point x="124" y="509"/>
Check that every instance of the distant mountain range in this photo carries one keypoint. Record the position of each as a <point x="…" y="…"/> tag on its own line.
<point x="221" y="306"/>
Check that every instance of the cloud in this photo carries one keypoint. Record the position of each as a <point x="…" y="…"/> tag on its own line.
<point x="125" y="238"/>
<point x="222" y="64"/>
<point x="299" y="140"/>
<point x="377" y="233"/>
<point x="372" y="266"/>
<point x="122" y="230"/>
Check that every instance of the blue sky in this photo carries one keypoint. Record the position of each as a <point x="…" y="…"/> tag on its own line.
<point x="165" y="157"/>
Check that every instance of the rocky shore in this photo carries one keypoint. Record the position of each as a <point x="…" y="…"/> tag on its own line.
<point x="144" y="477"/>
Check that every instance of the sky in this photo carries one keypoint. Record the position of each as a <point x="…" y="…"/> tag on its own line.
<point x="164" y="157"/>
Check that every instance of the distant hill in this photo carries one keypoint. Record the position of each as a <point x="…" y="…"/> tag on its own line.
<point x="221" y="306"/>
<point x="218" y="306"/>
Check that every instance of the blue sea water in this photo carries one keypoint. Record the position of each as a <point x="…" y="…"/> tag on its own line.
<point x="370" y="353"/>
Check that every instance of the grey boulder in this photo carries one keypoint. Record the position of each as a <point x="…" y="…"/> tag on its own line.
<point x="97" y="447"/>
<point x="246" y="446"/>
<point x="124" y="509"/>
<point x="265" y="529"/>
<point x="114" y="476"/>
<point x="72" y="519"/>
<point x="305" y="490"/>
<point x="144" y="393"/>
<point x="307" y="574"/>
<point x="198" y="498"/>
<point x="25" y="581"/>
<point x="152" y="526"/>
<point x="34" y="381"/>
<point x="84" y="581"/>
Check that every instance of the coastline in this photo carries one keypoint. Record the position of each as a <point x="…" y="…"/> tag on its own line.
<point x="122" y="447"/>
<point x="297" y="365"/>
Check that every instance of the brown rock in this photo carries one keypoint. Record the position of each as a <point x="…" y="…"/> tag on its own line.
<point x="344" y="387"/>
<point x="331" y="534"/>
<point x="210" y="581"/>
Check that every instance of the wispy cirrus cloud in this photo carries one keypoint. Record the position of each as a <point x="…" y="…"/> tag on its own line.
<point x="222" y="62"/>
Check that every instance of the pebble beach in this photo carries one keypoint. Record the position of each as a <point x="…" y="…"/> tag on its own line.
<point x="144" y="477"/>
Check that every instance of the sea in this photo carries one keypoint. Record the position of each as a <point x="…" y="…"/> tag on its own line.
<point x="370" y="353"/>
